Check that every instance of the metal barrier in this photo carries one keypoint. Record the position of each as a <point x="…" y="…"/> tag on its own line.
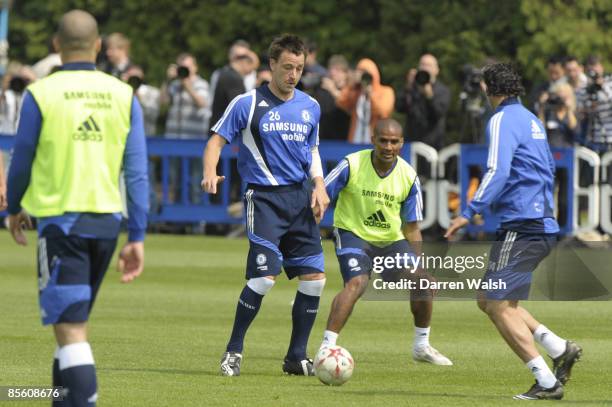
<point x="177" y="197"/>
<point x="590" y="192"/>
<point x="605" y="190"/>
<point x="428" y="177"/>
<point x="445" y="184"/>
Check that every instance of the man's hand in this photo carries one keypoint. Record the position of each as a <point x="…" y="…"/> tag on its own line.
<point x="455" y="225"/>
<point x="16" y="225"/>
<point x="131" y="261"/>
<point x="427" y="90"/>
<point x="209" y="183"/>
<point x="171" y="71"/>
<point x="210" y="159"/>
<point x="319" y="201"/>
<point x="410" y="75"/>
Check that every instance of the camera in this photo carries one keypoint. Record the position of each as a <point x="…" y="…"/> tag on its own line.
<point x="18" y="84"/>
<point x="422" y="78"/>
<point x="593" y="87"/>
<point x="473" y="78"/>
<point x="554" y="101"/>
<point x="366" y="79"/>
<point x="134" y="82"/>
<point x="182" y="72"/>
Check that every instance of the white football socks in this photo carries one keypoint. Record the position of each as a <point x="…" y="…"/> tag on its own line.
<point x="542" y="372"/>
<point x="554" y="345"/>
<point x="329" y="338"/>
<point x="421" y="337"/>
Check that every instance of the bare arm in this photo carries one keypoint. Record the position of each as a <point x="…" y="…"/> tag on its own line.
<point x="212" y="152"/>
<point x="412" y="233"/>
<point x="197" y="99"/>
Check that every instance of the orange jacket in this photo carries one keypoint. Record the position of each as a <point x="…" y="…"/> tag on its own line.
<point x="382" y="98"/>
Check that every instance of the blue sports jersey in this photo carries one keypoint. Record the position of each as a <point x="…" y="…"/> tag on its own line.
<point x="519" y="182"/>
<point x="411" y="210"/>
<point x="275" y="136"/>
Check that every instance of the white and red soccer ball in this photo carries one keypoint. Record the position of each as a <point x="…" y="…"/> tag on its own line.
<point x="333" y="365"/>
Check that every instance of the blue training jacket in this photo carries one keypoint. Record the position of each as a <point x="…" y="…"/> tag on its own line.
<point x="518" y="185"/>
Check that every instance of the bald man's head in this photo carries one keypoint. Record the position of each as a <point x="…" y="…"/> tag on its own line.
<point x="77" y="34"/>
<point x="429" y="63"/>
<point x="387" y="126"/>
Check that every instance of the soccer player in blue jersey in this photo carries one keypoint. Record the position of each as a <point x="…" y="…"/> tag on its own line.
<point x="277" y="128"/>
<point x="518" y="186"/>
<point x="78" y="129"/>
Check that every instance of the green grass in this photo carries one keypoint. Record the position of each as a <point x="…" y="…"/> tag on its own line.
<point x="157" y="341"/>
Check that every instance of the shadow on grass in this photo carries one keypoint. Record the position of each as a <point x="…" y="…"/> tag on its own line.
<point x="413" y="394"/>
<point x="214" y="373"/>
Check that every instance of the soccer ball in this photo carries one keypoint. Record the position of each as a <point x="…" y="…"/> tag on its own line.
<point x="333" y="365"/>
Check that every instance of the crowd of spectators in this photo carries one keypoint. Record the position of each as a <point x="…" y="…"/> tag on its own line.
<point x="574" y="103"/>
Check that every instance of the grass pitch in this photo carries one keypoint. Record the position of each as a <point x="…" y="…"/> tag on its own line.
<point x="158" y="341"/>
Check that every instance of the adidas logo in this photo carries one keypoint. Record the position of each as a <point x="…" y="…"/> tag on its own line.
<point x="263" y="104"/>
<point x="88" y="131"/>
<point x="536" y="131"/>
<point x="377" y="219"/>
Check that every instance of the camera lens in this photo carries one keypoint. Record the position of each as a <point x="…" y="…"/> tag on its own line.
<point x="17" y="84"/>
<point x="134" y="82"/>
<point x="366" y="78"/>
<point x="182" y="72"/>
<point x="422" y="78"/>
<point x="555" y="100"/>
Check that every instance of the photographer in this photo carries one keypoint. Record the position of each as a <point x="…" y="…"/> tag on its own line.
<point x="147" y="95"/>
<point x="334" y="124"/>
<point x="230" y="79"/>
<point x="595" y="107"/>
<point x="17" y="78"/>
<point x="558" y="113"/>
<point x="366" y="100"/>
<point x="475" y="109"/>
<point x="425" y="100"/>
<point x="117" y="55"/>
<point x="555" y="74"/>
<point x="187" y="93"/>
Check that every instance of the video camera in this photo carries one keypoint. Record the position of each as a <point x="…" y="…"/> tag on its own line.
<point x="473" y="78"/>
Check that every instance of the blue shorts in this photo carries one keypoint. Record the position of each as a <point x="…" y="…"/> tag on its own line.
<point x="357" y="256"/>
<point x="282" y="231"/>
<point x="70" y="271"/>
<point x="513" y="258"/>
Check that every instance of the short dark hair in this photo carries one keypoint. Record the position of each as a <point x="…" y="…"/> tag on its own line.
<point x="286" y="42"/>
<point x="555" y="60"/>
<point x="502" y="79"/>
<point x="388" y="123"/>
<point x="592" y="60"/>
<point x="570" y="58"/>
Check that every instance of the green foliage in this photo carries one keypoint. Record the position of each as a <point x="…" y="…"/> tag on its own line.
<point x="392" y="32"/>
<point x="558" y="27"/>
